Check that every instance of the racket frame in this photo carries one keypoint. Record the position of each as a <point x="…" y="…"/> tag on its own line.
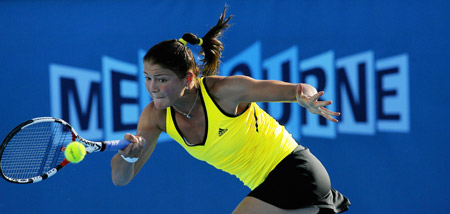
<point x="91" y="147"/>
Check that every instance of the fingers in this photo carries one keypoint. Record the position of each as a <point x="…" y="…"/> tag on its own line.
<point x="328" y="117"/>
<point x="127" y="149"/>
<point x="316" y="96"/>
<point x="131" y="138"/>
<point x="324" y="112"/>
<point x="136" y="146"/>
<point x="330" y="112"/>
<point x="322" y="103"/>
<point x="317" y="107"/>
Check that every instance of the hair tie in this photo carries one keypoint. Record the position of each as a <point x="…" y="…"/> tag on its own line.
<point x="201" y="42"/>
<point x="182" y="41"/>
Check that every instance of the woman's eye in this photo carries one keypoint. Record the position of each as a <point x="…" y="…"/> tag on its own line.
<point x="162" y="80"/>
<point x="148" y="78"/>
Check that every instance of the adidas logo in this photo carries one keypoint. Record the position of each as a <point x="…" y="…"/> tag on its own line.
<point x="222" y="131"/>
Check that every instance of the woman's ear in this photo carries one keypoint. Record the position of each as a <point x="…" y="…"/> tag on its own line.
<point x="189" y="77"/>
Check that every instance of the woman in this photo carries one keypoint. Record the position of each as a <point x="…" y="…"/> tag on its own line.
<point x="216" y="120"/>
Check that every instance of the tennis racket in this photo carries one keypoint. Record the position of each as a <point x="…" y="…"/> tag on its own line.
<point x="34" y="150"/>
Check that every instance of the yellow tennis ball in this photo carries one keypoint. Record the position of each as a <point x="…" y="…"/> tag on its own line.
<point x="75" y="152"/>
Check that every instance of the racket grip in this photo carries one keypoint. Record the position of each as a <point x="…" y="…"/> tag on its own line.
<point x="115" y="145"/>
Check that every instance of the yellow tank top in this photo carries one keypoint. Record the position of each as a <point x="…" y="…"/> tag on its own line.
<point x="248" y="145"/>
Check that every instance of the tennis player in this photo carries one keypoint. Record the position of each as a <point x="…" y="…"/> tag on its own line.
<point x="216" y="120"/>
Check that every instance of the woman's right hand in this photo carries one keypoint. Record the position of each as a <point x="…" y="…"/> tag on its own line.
<point x="135" y="148"/>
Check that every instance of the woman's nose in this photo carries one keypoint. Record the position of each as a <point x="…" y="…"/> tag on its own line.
<point x="153" y="87"/>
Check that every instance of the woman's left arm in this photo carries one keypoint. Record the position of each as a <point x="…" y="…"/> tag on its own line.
<point x="243" y="89"/>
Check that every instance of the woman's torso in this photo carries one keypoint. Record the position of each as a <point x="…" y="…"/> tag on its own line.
<point x="248" y="144"/>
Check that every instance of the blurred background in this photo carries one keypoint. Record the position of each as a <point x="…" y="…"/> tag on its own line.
<point x="385" y="64"/>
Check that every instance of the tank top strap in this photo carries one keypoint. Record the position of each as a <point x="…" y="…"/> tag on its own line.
<point x="210" y="104"/>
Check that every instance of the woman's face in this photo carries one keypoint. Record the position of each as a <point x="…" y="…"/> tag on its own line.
<point x="163" y="84"/>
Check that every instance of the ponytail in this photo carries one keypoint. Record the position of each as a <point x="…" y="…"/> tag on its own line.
<point x="212" y="47"/>
<point x="175" y="55"/>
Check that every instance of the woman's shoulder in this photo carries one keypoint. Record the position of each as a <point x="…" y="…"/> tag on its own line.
<point x="220" y="86"/>
<point x="212" y="81"/>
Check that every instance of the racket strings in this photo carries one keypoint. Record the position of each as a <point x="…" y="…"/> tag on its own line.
<point x="35" y="150"/>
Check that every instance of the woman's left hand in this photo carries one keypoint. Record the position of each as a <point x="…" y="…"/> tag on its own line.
<point x="312" y="103"/>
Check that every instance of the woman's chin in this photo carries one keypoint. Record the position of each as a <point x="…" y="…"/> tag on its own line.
<point x="160" y="105"/>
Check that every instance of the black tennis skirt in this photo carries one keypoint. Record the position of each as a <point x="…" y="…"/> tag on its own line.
<point x="301" y="181"/>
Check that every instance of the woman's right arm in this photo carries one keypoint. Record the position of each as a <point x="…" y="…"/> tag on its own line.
<point x="141" y="146"/>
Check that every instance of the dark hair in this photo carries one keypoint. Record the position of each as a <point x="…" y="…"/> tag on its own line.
<point x="174" y="55"/>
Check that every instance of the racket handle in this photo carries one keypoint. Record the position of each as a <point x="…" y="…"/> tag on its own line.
<point x="115" y="145"/>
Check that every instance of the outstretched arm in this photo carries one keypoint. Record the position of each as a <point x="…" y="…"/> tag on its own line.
<point x="141" y="146"/>
<point x="234" y="90"/>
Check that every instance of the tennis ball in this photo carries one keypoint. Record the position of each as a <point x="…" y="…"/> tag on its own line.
<point x="75" y="152"/>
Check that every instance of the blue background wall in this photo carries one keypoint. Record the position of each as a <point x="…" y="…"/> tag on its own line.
<point x="383" y="164"/>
